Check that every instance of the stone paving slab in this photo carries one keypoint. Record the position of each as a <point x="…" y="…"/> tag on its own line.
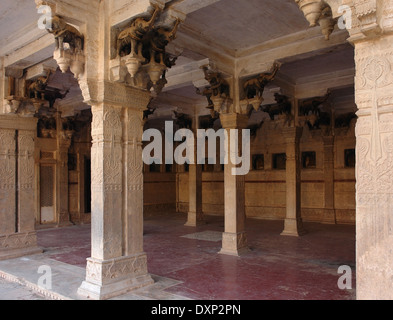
<point x="20" y="278"/>
<point x="213" y="236"/>
<point x="15" y="291"/>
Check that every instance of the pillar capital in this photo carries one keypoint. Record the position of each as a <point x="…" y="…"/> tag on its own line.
<point x="234" y="121"/>
<point x="114" y="94"/>
<point x="292" y="134"/>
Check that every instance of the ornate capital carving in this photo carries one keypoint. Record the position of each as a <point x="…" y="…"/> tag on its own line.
<point x="69" y="51"/>
<point x="141" y="59"/>
<point x="234" y="121"/>
<point x="116" y="94"/>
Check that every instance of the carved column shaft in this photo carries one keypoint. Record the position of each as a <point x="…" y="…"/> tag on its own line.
<point x="293" y="222"/>
<point x="374" y="166"/>
<point x="7" y="181"/>
<point x="133" y="181"/>
<point x="26" y="165"/>
<point x="106" y="179"/>
<point x="234" y="241"/>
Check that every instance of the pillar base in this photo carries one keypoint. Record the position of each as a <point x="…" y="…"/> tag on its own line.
<point x="18" y="245"/>
<point x="112" y="278"/>
<point x="329" y="216"/>
<point x="195" y="220"/>
<point x="65" y="220"/>
<point x="293" y="228"/>
<point x="234" y="244"/>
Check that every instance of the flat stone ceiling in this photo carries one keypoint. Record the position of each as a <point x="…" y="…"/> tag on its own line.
<point x="239" y="24"/>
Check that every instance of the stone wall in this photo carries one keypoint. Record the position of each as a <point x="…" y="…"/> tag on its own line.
<point x="159" y="193"/>
<point x="266" y="189"/>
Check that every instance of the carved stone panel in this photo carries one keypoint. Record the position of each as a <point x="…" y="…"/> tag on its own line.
<point x="7" y="181"/>
<point x="374" y="164"/>
<point x="26" y="180"/>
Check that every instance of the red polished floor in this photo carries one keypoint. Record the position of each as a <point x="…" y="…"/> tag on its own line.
<point x="276" y="268"/>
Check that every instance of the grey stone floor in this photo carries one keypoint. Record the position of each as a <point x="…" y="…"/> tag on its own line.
<point x="21" y="282"/>
<point x="14" y="291"/>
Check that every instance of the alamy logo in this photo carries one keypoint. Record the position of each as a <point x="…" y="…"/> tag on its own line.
<point x="45" y="20"/>
<point x="230" y="147"/>
<point x="345" y="281"/>
<point x="45" y="281"/>
<point x="345" y="21"/>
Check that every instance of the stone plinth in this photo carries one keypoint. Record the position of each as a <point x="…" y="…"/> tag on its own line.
<point x="110" y="278"/>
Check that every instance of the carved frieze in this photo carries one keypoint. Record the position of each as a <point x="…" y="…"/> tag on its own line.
<point x="115" y="270"/>
<point x="7" y="159"/>
<point x="18" y="241"/>
<point x="26" y="159"/>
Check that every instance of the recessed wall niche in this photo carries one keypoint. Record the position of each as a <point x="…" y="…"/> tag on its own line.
<point x="279" y="161"/>
<point x="309" y="160"/>
<point x="258" y="162"/>
<point x="350" y="158"/>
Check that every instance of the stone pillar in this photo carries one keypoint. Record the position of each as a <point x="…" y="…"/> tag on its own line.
<point x="234" y="239"/>
<point x="133" y="187"/>
<point x="374" y="167"/>
<point x="328" y="151"/>
<point x="293" y="225"/>
<point x="195" y="214"/>
<point x="118" y="263"/>
<point x="63" y="146"/>
<point x="17" y="207"/>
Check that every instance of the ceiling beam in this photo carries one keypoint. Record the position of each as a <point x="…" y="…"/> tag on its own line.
<point x="33" y="53"/>
<point x="257" y="60"/>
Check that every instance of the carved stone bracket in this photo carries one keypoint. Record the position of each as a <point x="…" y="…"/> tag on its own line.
<point x="37" y="95"/>
<point x="217" y="92"/>
<point x="69" y="52"/>
<point x="141" y="59"/>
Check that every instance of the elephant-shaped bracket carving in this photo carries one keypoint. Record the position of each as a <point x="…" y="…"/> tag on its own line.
<point x="65" y="33"/>
<point x="141" y="60"/>
<point x="256" y="86"/>
<point x="129" y="40"/>
<point x="36" y="89"/>
<point x="72" y="56"/>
